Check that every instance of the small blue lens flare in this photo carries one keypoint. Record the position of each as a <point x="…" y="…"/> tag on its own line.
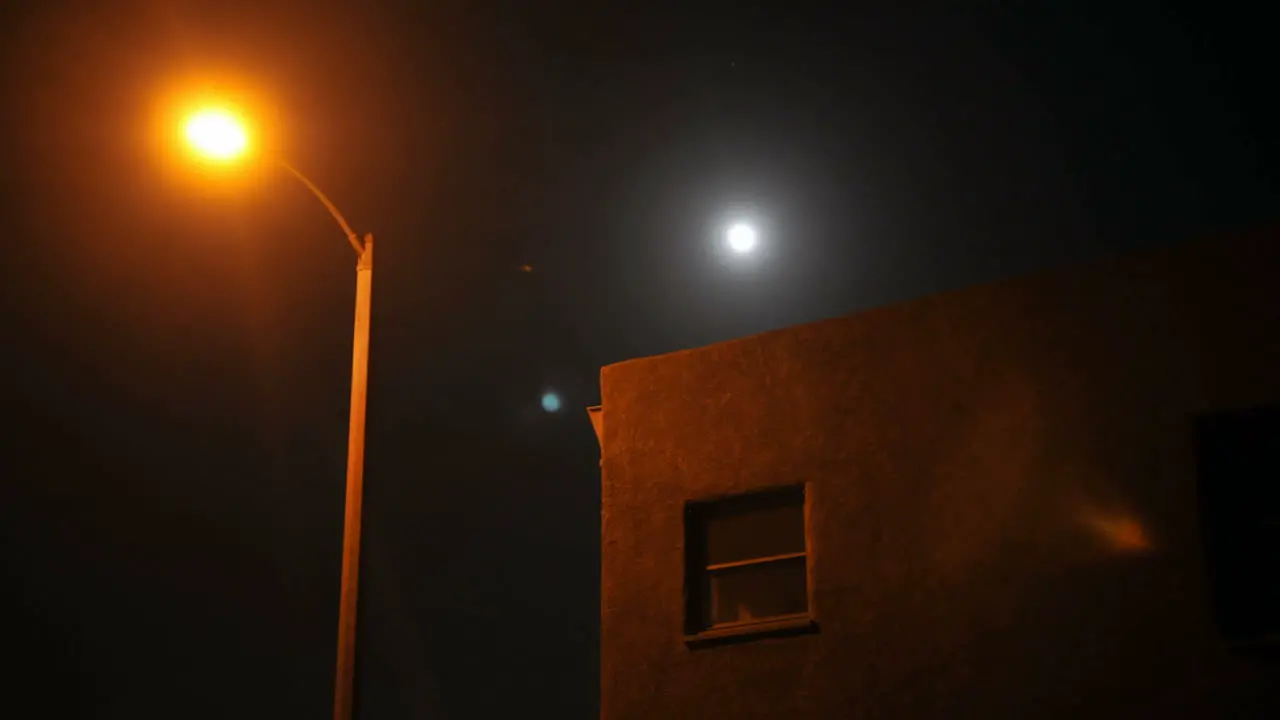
<point x="550" y="402"/>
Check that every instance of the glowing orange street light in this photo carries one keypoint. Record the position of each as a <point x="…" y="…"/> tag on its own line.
<point x="219" y="135"/>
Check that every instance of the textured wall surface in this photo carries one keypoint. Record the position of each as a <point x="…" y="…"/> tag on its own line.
<point x="1003" y="517"/>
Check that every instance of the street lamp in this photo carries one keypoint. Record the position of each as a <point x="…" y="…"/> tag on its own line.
<point x="218" y="135"/>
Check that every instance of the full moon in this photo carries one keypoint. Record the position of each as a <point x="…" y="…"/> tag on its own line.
<point x="550" y="402"/>
<point x="742" y="238"/>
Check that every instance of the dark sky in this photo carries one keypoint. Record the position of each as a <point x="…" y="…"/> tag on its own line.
<point x="178" y="345"/>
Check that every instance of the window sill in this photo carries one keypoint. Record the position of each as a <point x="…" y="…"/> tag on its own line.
<point x="741" y="632"/>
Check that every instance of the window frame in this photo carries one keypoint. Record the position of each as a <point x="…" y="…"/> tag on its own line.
<point x="697" y="514"/>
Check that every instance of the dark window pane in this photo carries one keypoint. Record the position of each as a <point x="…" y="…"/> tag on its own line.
<point x="1239" y="493"/>
<point x="755" y="592"/>
<point x="755" y="527"/>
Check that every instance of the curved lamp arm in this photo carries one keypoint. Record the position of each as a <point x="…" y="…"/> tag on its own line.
<point x="333" y="209"/>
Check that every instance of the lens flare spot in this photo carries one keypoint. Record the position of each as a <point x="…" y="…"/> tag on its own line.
<point x="551" y="402"/>
<point x="1120" y="533"/>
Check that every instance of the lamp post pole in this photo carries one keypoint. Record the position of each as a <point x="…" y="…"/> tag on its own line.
<point x="344" y="675"/>
<point x="344" y="689"/>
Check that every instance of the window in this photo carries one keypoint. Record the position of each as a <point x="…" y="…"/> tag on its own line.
<point x="747" y="563"/>
<point x="1238" y="453"/>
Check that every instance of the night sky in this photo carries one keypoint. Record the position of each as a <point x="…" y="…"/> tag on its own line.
<point x="178" y="342"/>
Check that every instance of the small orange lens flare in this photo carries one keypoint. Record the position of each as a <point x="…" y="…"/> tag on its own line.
<point x="216" y="134"/>
<point x="1122" y="534"/>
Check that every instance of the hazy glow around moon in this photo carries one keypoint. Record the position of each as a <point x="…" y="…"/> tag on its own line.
<point x="742" y="238"/>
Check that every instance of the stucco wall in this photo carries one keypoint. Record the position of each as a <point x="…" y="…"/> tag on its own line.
<point x="1003" y="518"/>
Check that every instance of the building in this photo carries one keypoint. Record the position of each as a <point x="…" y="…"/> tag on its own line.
<point x="1036" y="498"/>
